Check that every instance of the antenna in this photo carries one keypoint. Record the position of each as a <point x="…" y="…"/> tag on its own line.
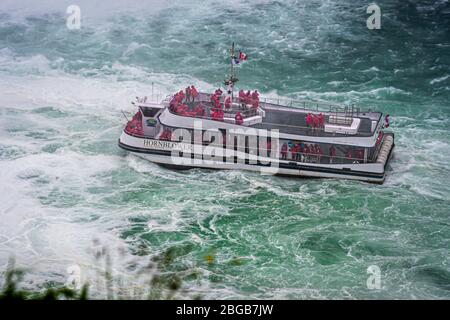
<point x="124" y="115"/>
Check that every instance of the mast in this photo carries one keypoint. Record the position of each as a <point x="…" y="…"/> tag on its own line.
<point x="233" y="79"/>
<point x="231" y="61"/>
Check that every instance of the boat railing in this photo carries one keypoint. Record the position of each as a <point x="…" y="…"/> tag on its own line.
<point x="308" y="130"/>
<point x="341" y="111"/>
<point x="336" y="114"/>
<point x="314" y="106"/>
<point x="375" y="152"/>
<point x="152" y="98"/>
<point x="227" y="114"/>
<point x="167" y="99"/>
<point x="299" y="157"/>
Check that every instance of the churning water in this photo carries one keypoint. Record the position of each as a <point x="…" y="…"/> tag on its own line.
<point x="66" y="189"/>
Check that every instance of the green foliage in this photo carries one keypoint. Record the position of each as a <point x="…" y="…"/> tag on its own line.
<point x="12" y="277"/>
<point x="10" y="291"/>
<point x="165" y="283"/>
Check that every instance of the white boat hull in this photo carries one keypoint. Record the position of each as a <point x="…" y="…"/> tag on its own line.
<point x="167" y="153"/>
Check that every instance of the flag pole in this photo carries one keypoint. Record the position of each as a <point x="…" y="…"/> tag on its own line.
<point x="230" y="82"/>
<point x="231" y="60"/>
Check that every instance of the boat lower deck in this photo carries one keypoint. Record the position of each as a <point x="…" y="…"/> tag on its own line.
<point x="168" y="153"/>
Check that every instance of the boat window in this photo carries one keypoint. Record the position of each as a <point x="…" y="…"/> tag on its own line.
<point x="149" y="112"/>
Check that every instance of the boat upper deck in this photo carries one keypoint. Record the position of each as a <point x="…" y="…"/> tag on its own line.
<point x="293" y="120"/>
<point x="290" y="116"/>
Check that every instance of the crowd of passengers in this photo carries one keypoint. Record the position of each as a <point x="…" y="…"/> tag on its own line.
<point x="315" y="121"/>
<point x="134" y="126"/>
<point x="249" y="99"/>
<point x="304" y="152"/>
<point x="219" y="104"/>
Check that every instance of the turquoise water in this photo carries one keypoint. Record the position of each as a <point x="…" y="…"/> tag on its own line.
<point x="66" y="189"/>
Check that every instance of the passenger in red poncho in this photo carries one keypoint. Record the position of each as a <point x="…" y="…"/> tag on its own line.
<point x="194" y="93"/>
<point x="332" y="152"/>
<point x="200" y="110"/>
<point x="321" y="120"/>
<point x="166" y="135"/>
<point x="217" y="104"/>
<point x="215" y="100"/>
<point x="248" y="97"/>
<point x="182" y="109"/>
<point x="228" y="102"/>
<point x="173" y="104"/>
<point x="137" y="116"/>
<point x="319" y="153"/>
<point x="284" y="151"/>
<point x="255" y="99"/>
<point x="360" y="154"/>
<point x="301" y="151"/>
<point x="312" y="152"/>
<point x="315" y="121"/>
<point x="242" y="99"/>
<point x="294" y="151"/>
<point x="307" y="153"/>
<point x="269" y="148"/>
<point x="349" y="154"/>
<point x="188" y="93"/>
<point x="309" y="120"/>
<point x="217" y="115"/>
<point x="218" y="92"/>
<point x="241" y="95"/>
<point x="181" y="95"/>
<point x="239" y="119"/>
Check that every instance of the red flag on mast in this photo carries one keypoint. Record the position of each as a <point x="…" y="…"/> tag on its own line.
<point x="242" y="56"/>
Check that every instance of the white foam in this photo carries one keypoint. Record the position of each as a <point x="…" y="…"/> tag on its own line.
<point x="91" y="11"/>
<point x="440" y="79"/>
<point x="43" y="238"/>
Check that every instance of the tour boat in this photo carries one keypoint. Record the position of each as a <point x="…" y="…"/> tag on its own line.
<point x="226" y="130"/>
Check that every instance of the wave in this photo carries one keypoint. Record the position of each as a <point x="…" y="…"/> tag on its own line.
<point x="440" y="79"/>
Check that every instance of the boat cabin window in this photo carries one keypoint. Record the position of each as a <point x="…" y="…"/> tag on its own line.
<point x="149" y="112"/>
